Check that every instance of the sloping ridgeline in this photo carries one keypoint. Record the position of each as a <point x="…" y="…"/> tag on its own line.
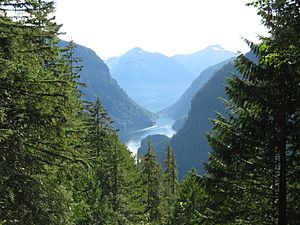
<point x="190" y="144"/>
<point x="127" y="115"/>
<point x="181" y="108"/>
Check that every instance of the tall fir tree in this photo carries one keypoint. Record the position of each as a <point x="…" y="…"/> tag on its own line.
<point x="97" y="150"/>
<point x="112" y="196"/>
<point x="169" y="185"/>
<point x="283" y="57"/>
<point x="38" y="103"/>
<point x="151" y="173"/>
<point x="191" y="202"/>
<point x="253" y="171"/>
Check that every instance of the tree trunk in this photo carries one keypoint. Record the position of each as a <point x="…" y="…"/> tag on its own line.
<point x="282" y="187"/>
<point x="282" y="153"/>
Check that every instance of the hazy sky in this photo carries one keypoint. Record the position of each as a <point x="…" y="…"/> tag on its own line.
<point x="112" y="27"/>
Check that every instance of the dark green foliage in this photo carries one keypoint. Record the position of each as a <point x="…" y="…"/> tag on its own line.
<point x="96" y="147"/>
<point x="169" y="185"/>
<point x="171" y="171"/>
<point x="114" y="182"/>
<point x="61" y="162"/>
<point x="191" y="202"/>
<point x="151" y="173"/>
<point x="162" y="188"/>
<point x="37" y="107"/>
<point x="99" y="129"/>
<point x="253" y="172"/>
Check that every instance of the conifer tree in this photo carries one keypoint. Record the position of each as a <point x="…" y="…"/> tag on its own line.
<point x="191" y="202"/>
<point x="151" y="173"/>
<point x="171" y="171"/>
<point x="127" y="194"/>
<point x="97" y="149"/>
<point x="37" y="107"/>
<point x="170" y="185"/>
<point x="253" y="171"/>
<point x="114" y="181"/>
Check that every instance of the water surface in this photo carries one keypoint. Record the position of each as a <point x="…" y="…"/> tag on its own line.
<point x="163" y="125"/>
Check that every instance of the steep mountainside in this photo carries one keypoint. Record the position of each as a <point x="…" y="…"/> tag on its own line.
<point x="128" y="116"/>
<point x="199" y="61"/>
<point x="190" y="144"/>
<point x="151" y="79"/>
<point x="182" y="107"/>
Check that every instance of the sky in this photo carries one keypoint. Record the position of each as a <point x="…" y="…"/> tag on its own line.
<point x="112" y="27"/>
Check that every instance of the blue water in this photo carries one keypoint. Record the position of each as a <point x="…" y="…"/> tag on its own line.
<point x="163" y="125"/>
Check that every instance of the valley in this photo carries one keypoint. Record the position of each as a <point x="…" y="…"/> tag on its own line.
<point x="167" y="87"/>
<point x="153" y="134"/>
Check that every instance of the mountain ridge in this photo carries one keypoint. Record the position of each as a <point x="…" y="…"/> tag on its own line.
<point x="182" y="106"/>
<point x="198" y="61"/>
<point x="127" y="115"/>
<point x="151" y="79"/>
<point x="189" y="143"/>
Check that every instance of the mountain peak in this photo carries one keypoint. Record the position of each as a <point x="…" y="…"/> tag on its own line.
<point x="135" y="50"/>
<point x="215" y="48"/>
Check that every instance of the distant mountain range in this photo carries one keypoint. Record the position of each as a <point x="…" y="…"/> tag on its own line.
<point x="156" y="81"/>
<point x="151" y="79"/>
<point x="128" y="116"/>
<point x="201" y="60"/>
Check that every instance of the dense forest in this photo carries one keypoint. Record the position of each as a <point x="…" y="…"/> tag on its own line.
<point x="63" y="163"/>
